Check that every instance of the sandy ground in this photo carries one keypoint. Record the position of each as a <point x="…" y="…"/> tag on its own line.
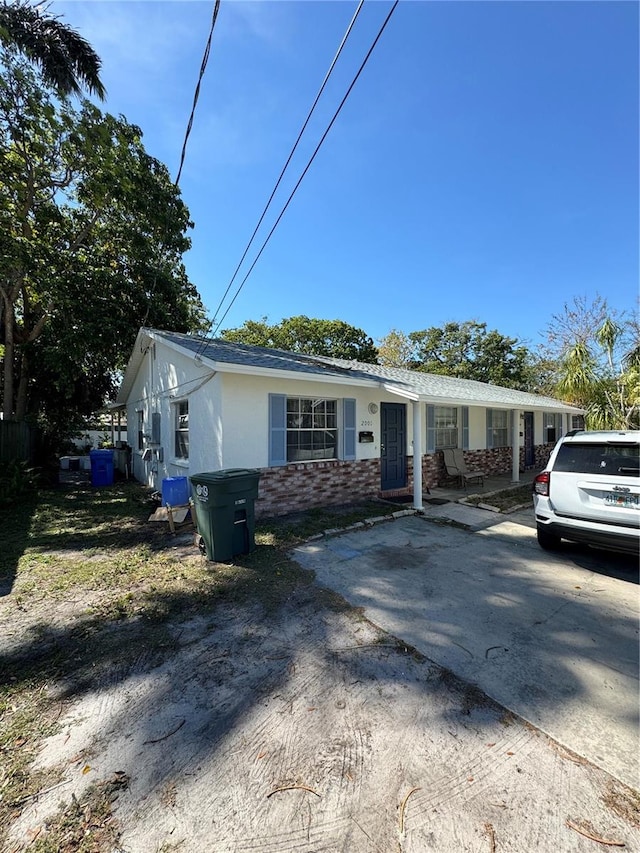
<point x="312" y="730"/>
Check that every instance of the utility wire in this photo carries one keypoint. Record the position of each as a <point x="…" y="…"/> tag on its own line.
<point x="313" y="156"/>
<point x="284" y="168"/>
<point x="196" y="95"/>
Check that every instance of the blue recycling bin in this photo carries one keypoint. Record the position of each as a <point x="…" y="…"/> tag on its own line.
<point x="101" y="467"/>
<point x="175" y="491"/>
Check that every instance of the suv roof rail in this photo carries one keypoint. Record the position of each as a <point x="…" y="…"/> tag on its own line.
<point x="574" y="432"/>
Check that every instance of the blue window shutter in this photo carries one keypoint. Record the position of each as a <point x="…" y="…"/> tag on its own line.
<point x="511" y="427"/>
<point x="465" y="427"/>
<point x="489" y="429"/>
<point x="277" y="429"/>
<point x="431" y="429"/>
<point x="349" y="428"/>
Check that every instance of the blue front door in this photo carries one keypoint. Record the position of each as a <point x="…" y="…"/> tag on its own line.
<point x="393" y="458"/>
<point x="529" y="448"/>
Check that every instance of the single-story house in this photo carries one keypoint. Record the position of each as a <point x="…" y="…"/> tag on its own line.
<point x="320" y="430"/>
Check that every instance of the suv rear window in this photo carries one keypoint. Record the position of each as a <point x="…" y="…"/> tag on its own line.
<point x="621" y="460"/>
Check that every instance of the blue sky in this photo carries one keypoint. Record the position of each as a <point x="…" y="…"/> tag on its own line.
<point x="485" y="165"/>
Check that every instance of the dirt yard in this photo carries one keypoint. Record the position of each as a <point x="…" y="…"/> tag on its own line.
<point x="271" y="718"/>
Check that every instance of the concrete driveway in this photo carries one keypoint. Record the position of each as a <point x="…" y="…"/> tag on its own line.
<point x="553" y="637"/>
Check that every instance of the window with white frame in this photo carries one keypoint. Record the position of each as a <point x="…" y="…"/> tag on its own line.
<point x="577" y="421"/>
<point x="446" y="426"/>
<point x="140" y="425"/>
<point x="181" y="419"/>
<point x="312" y="429"/>
<point x="552" y="424"/>
<point x="499" y="429"/>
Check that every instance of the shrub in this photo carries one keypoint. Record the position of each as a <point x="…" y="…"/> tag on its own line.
<point x="17" y="480"/>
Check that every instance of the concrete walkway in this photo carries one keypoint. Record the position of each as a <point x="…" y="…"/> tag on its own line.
<point x="553" y="637"/>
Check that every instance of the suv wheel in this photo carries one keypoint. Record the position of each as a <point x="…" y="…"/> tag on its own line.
<point x="547" y="541"/>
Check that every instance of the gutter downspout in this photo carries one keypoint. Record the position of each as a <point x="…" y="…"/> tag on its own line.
<point x="417" y="455"/>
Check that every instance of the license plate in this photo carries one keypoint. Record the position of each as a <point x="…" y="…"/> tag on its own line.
<point x="618" y="499"/>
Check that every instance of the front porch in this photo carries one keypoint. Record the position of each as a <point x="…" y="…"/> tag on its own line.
<point x="495" y="483"/>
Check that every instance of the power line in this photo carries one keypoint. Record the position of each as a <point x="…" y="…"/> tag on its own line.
<point x="291" y="153"/>
<point x="196" y="95"/>
<point x="306" y="169"/>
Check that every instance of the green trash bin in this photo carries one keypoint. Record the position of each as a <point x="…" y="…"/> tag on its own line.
<point x="225" y="513"/>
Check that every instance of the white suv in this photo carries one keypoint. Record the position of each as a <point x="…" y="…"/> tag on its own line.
<point x="590" y="491"/>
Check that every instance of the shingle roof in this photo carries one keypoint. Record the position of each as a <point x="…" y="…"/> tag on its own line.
<point x="229" y="352"/>
<point x="411" y="383"/>
<point x="450" y="387"/>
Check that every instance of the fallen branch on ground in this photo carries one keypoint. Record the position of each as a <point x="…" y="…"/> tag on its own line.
<point x="39" y="793"/>
<point x="164" y="737"/>
<point x="293" y="788"/>
<point x="372" y="646"/>
<point x="403" y="806"/>
<point x="592" y="837"/>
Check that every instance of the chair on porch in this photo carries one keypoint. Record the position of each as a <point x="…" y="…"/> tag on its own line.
<point x="457" y="468"/>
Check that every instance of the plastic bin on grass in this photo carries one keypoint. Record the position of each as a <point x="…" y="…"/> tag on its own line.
<point x="225" y="512"/>
<point x="101" y="467"/>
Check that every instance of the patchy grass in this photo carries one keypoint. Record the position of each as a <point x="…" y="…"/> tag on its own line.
<point x="26" y="717"/>
<point x="291" y="529"/>
<point x="87" y="824"/>
<point x="128" y="580"/>
<point x="503" y="501"/>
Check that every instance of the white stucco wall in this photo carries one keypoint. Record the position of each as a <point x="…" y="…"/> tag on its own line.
<point x="245" y="414"/>
<point x="160" y="383"/>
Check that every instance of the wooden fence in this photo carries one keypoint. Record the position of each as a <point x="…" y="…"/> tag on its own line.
<point x="18" y="441"/>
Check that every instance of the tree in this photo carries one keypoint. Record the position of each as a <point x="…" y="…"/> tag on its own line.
<point x="92" y="232"/>
<point x="469" y="351"/>
<point x="598" y="358"/>
<point x="396" y="350"/>
<point x="67" y="61"/>
<point x="306" y="335"/>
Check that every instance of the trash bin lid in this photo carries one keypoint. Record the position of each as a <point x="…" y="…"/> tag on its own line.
<point x="224" y="474"/>
<point x="215" y="485"/>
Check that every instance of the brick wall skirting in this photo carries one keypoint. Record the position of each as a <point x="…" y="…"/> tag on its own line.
<point x="542" y="454"/>
<point x="305" y="485"/>
<point x="292" y="488"/>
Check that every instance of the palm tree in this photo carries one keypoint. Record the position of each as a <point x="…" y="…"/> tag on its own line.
<point x="67" y="61"/>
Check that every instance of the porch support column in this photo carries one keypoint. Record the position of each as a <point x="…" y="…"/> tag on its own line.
<point x="515" y="446"/>
<point x="417" y="455"/>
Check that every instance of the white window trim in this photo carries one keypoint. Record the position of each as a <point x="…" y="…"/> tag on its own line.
<point x="337" y="429"/>
<point x="346" y="413"/>
<point x="140" y="422"/>
<point x="175" y="413"/>
<point x="458" y="428"/>
<point x="505" y="429"/>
